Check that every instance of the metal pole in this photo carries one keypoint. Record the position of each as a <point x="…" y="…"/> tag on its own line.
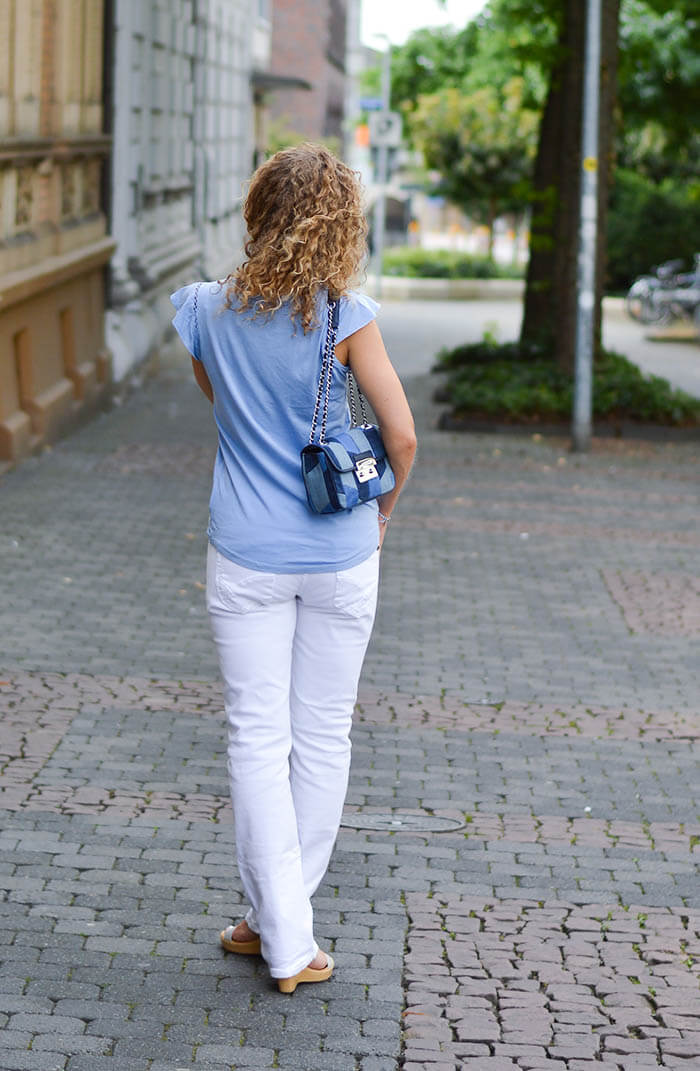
<point x="382" y="175"/>
<point x="588" y="229"/>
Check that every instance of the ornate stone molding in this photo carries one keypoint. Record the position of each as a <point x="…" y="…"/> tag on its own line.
<point x="24" y="198"/>
<point x="20" y="150"/>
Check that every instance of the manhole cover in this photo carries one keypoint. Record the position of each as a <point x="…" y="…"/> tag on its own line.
<point x="403" y="823"/>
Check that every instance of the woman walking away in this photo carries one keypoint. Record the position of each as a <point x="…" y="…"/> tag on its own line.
<point x="291" y="593"/>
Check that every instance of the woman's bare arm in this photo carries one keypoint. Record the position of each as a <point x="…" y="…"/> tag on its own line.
<point x="202" y="379"/>
<point x="366" y="354"/>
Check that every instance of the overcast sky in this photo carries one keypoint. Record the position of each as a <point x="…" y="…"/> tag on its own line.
<point x="398" y="18"/>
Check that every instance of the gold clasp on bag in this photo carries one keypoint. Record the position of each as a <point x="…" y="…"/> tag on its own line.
<point x="366" y="469"/>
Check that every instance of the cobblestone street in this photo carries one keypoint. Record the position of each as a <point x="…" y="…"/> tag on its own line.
<point x="531" y="691"/>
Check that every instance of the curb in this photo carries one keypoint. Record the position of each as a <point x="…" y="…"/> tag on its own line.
<point x="624" y="430"/>
<point x="403" y="288"/>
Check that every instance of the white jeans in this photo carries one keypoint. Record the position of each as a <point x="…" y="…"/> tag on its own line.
<point x="290" y="648"/>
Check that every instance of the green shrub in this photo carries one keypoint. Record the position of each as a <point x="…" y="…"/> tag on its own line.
<point x="649" y="223"/>
<point x="506" y="381"/>
<point x="416" y="263"/>
<point x="484" y="353"/>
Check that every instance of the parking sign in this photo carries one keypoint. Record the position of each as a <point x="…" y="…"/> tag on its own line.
<point x="385" y="130"/>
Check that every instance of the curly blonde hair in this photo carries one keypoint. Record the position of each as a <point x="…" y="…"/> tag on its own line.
<point x="306" y="232"/>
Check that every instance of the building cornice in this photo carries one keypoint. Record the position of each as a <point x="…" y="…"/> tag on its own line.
<point x="24" y="150"/>
<point x="264" y="81"/>
<point x="19" y="285"/>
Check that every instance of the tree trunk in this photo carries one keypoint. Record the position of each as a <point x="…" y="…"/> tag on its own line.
<point x="550" y="298"/>
<point x="549" y="317"/>
<point x="538" y="321"/>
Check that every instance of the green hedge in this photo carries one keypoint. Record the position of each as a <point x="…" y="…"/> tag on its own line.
<point x="418" y="263"/>
<point x="649" y="223"/>
<point x="515" y="384"/>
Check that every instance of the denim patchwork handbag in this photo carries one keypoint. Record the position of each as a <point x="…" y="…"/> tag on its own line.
<point x="341" y="473"/>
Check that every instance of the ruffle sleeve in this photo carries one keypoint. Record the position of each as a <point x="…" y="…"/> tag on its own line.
<point x="356" y="311"/>
<point x="185" y="319"/>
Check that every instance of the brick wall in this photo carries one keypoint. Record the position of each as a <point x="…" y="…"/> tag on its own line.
<point x="308" y="41"/>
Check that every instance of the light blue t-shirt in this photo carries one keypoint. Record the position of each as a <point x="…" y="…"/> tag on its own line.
<point x="264" y="374"/>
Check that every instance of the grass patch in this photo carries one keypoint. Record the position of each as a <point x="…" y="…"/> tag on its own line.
<point x="524" y="385"/>
<point x="415" y="263"/>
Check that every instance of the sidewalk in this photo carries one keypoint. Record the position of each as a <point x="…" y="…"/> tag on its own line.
<point x="516" y="883"/>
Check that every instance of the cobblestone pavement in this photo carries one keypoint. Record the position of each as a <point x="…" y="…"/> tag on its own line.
<point x="531" y="691"/>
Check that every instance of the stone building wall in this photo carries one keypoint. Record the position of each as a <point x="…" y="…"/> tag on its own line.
<point x="223" y="129"/>
<point x="182" y="149"/>
<point x="54" y="366"/>
<point x="152" y="179"/>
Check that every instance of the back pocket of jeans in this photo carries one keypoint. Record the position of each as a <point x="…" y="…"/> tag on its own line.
<point x="356" y="588"/>
<point x="242" y="590"/>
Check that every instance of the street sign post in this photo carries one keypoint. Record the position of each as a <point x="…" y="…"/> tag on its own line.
<point x="385" y="130"/>
<point x="384" y="134"/>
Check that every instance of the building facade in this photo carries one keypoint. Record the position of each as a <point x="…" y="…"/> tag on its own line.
<point x="54" y="365"/>
<point x="183" y="117"/>
<point x="127" y="131"/>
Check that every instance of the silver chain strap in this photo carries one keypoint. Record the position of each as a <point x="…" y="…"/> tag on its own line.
<point x="353" y="390"/>
<point x="324" y="384"/>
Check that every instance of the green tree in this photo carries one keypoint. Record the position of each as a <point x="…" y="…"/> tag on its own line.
<point x="482" y="144"/>
<point x="431" y="60"/>
<point x="659" y="89"/>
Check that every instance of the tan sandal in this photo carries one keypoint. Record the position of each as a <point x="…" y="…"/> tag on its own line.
<point x="309" y="974"/>
<point x="243" y="948"/>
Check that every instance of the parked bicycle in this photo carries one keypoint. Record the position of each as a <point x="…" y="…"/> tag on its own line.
<point x="669" y="294"/>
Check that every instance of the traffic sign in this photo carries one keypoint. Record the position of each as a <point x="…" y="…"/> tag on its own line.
<point x="371" y="104"/>
<point x="385" y="130"/>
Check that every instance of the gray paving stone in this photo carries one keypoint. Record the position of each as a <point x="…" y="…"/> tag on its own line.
<point x="37" y="1023"/>
<point x="93" y="1062"/>
<point x="15" y="1039"/>
<point x="72" y="1044"/>
<point x="152" y="1049"/>
<point x="291" y="1059"/>
<point x="33" y="1061"/>
<point x="25" y="1004"/>
<point x="238" y="1055"/>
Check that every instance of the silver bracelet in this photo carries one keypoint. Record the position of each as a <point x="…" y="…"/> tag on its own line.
<point x="383" y="517"/>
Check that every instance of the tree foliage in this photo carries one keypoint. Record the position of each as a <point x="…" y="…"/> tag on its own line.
<point x="482" y="144"/>
<point x="649" y="222"/>
<point x="659" y="89"/>
<point x="430" y="61"/>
